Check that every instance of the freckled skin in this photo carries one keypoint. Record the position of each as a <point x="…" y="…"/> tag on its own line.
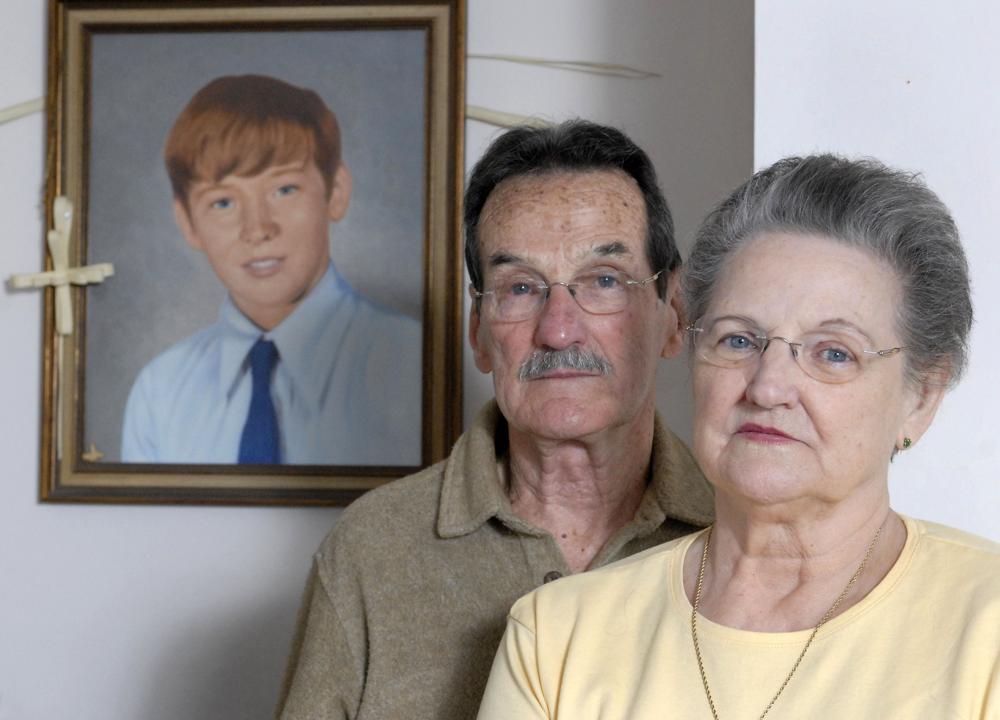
<point x="552" y="223"/>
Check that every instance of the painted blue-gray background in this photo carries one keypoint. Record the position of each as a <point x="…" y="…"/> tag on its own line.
<point x="162" y="290"/>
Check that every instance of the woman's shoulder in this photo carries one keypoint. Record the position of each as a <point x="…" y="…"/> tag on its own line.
<point x="951" y="539"/>
<point x="965" y="563"/>
<point x="643" y="580"/>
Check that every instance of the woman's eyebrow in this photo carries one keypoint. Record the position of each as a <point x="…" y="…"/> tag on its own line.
<point x="739" y="318"/>
<point x="847" y="325"/>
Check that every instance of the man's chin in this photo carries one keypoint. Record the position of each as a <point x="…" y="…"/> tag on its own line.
<point x="562" y="418"/>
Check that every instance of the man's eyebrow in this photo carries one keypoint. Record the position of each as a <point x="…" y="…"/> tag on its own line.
<point x="612" y="248"/>
<point x="502" y="258"/>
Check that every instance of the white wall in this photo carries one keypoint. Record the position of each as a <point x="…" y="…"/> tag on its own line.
<point x="915" y="85"/>
<point x="159" y="613"/>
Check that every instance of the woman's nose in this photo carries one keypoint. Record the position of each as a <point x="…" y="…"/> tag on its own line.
<point x="775" y="378"/>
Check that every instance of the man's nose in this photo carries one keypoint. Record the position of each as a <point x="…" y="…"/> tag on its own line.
<point x="259" y="225"/>
<point x="560" y="320"/>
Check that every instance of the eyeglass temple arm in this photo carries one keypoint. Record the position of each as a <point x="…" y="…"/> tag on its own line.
<point x="884" y="353"/>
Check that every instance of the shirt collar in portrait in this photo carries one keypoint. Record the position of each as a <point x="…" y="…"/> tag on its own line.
<point x="303" y="338"/>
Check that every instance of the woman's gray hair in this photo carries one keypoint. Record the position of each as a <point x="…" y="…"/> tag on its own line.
<point x="888" y="213"/>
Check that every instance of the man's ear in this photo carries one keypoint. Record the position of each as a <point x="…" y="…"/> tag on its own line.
<point x="340" y="193"/>
<point x="478" y="351"/>
<point x="183" y="220"/>
<point x="675" y="317"/>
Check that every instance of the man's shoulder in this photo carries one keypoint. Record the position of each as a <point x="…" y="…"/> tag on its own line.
<point x="392" y="515"/>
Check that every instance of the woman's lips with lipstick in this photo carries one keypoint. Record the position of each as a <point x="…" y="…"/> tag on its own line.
<point x="263" y="267"/>
<point x="763" y="434"/>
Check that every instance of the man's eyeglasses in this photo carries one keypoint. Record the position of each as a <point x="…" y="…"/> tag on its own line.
<point x="519" y="295"/>
<point x="829" y="357"/>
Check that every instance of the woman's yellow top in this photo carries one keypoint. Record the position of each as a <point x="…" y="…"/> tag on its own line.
<point x="615" y="644"/>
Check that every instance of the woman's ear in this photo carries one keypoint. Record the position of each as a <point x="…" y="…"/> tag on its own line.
<point x="923" y="404"/>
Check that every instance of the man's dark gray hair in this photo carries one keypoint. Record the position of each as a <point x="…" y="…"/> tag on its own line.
<point x="573" y="146"/>
<point x="888" y="213"/>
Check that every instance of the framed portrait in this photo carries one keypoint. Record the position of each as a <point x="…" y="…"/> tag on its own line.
<point x="276" y="185"/>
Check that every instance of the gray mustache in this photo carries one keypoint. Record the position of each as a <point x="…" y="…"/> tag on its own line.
<point x="572" y="358"/>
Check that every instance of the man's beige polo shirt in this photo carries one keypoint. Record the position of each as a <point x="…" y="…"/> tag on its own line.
<point x="408" y="596"/>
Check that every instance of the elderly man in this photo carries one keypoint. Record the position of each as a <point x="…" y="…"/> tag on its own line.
<point x="570" y="247"/>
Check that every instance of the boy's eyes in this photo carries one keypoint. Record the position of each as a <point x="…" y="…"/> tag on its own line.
<point x="222" y="203"/>
<point x="228" y="202"/>
<point x="225" y="203"/>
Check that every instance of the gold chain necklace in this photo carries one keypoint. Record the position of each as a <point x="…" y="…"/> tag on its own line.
<point x="823" y="620"/>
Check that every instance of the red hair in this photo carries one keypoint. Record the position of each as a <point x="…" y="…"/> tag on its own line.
<point x="244" y="124"/>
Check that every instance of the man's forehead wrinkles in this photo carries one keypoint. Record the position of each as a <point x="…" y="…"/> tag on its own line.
<point x="525" y="194"/>
<point x="526" y="198"/>
<point x="561" y="223"/>
<point x="599" y="217"/>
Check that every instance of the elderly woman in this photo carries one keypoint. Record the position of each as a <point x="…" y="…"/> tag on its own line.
<point x="831" y="310"/>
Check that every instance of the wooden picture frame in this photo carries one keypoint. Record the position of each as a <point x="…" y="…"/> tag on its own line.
<point x="120" y="74"/>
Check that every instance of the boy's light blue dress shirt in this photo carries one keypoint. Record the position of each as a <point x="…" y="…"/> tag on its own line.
<point x="347" y="387"/>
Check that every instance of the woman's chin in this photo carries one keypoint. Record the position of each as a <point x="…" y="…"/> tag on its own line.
<point x="768" y="483"/>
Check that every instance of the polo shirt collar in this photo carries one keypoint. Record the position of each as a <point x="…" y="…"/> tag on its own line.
<point x="667" y="495"/>
<point x="471" y="492"/>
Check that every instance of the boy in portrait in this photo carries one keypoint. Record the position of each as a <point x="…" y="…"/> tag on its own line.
<point x="299" y="368"/>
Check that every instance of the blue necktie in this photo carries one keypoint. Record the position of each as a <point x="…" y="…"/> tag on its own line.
<point x="260" y="442"/>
